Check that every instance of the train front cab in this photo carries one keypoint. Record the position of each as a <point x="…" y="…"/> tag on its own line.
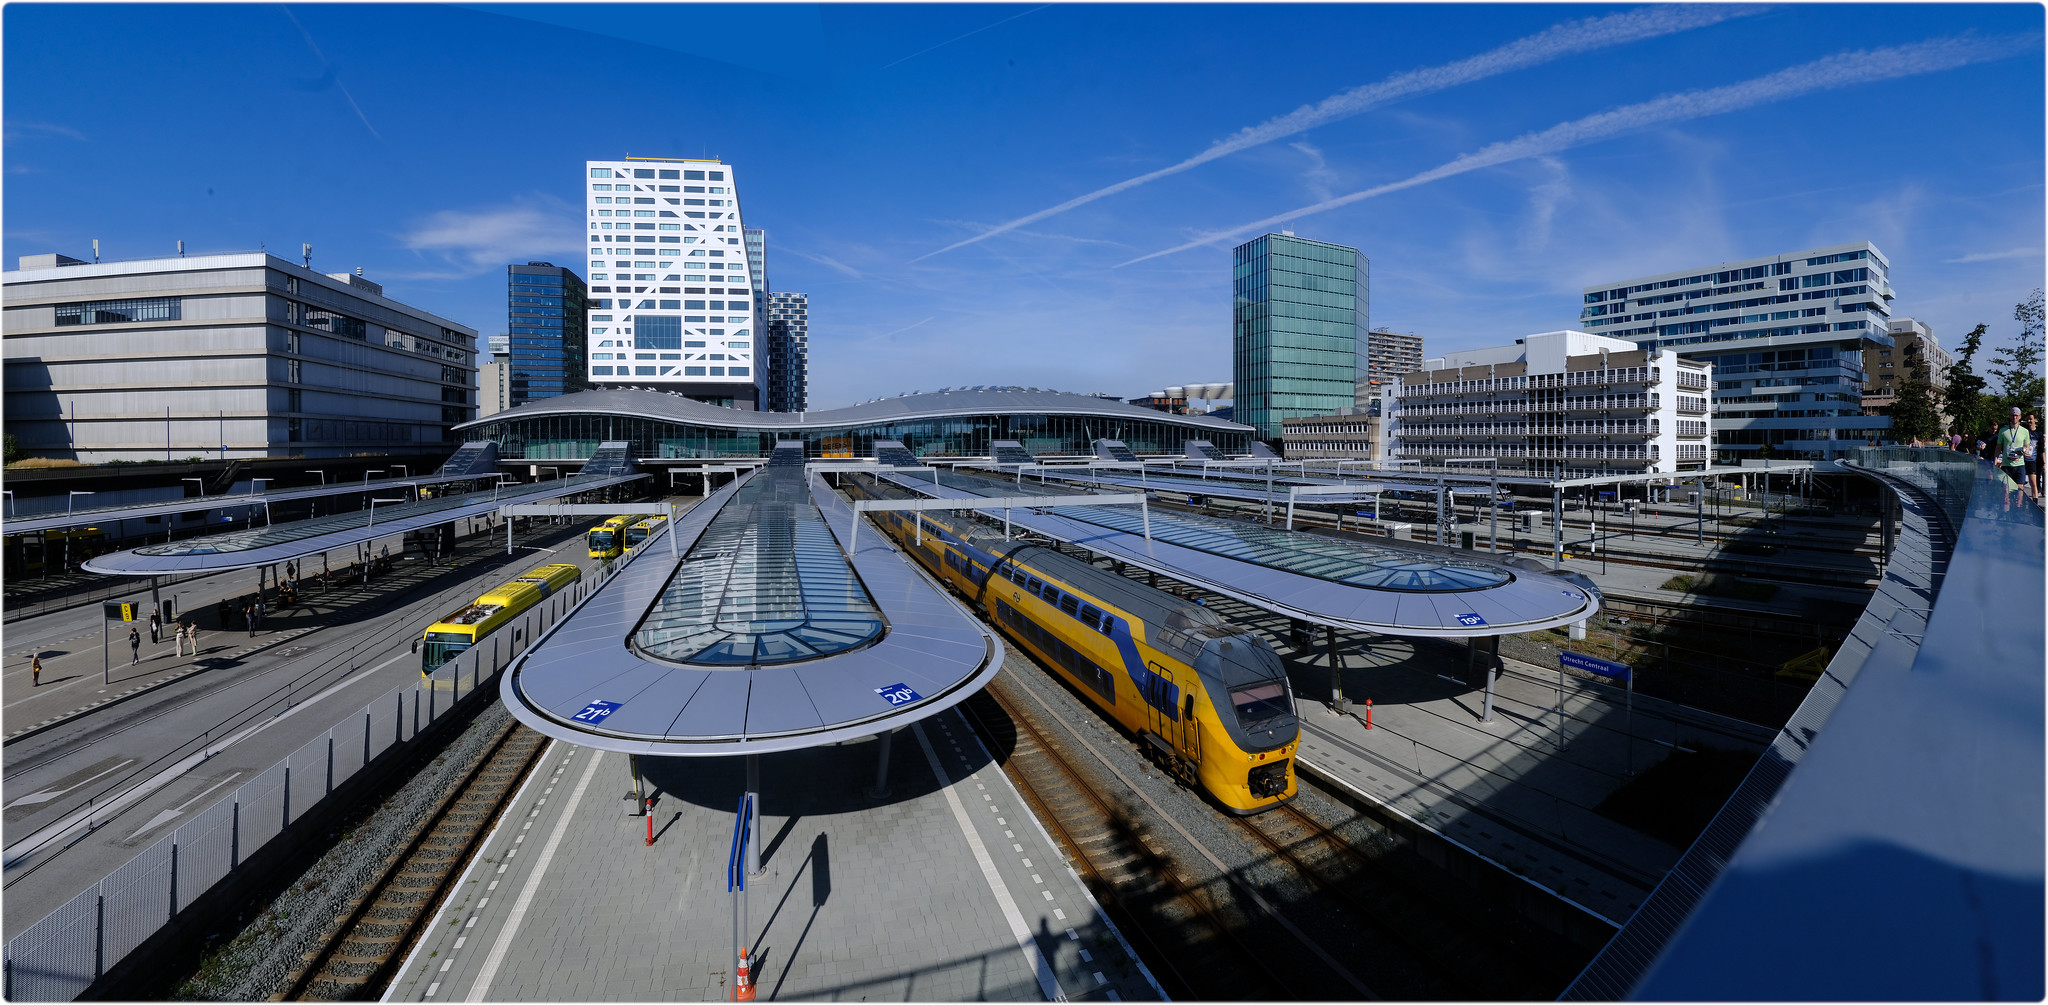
<point x="1228" y="721"/>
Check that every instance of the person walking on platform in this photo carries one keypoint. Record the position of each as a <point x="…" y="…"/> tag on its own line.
<point x="134" y="646"/>
<point x="2011" y="446"/>
<point x="156" y="626"/>
<point x="35" y="670"/>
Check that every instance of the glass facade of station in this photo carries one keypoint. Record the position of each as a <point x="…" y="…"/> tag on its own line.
<point x="574" y="436"/>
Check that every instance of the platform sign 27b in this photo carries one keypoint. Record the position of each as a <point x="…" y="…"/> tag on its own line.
<point x="898" y="694"/>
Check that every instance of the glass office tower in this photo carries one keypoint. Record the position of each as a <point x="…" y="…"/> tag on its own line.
<point x="545" y="305"/>
<point x="1298" y="308"/>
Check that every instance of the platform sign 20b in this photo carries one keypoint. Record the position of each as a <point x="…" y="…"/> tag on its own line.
<point x="898" y="694"/>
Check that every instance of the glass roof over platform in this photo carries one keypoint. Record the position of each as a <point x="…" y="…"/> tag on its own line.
<point x="764" y="635"/>
<point x="243" y="549"/>
<point x="1365" y="585"/>
<point x="764" y="584"/>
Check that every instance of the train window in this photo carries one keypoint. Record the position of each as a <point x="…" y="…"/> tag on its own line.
<point x="1034" y="585"/>
<point x="1090" y="615"/>
<point x="1103" y="684"/>
<point x="1069" y="605"/>
<point x="1108" y="625"/>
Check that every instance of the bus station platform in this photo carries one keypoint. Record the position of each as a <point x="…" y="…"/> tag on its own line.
<point x="943" y="889"/>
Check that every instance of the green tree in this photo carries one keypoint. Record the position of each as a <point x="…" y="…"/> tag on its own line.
<point x="1967" y="408"/>
<point x="2018" y="366"/>
<point x="1915" y="414"/>
<point x="13" y="448"/>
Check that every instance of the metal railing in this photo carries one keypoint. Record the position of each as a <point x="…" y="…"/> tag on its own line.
<point x="60" y="956"/>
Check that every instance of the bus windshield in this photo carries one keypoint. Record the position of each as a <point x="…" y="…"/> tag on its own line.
<point x="636" y="534"/>
<point x="435" y="654"/>
<point x="601" y="540"/>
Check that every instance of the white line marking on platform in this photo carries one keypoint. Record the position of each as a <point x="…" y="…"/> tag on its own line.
<point x="1047" y="982"/>
<point x="482" y="987"/>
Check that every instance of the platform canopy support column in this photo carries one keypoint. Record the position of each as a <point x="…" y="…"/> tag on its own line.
<point x="881" y="789"/>
<point x="754" y="809"/>
<point x="1338" y="703"/>
<point x="1556" y="528"/>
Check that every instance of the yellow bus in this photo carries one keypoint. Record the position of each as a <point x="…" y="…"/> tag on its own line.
<point x="458" y="632"/>
<point x="643" y="530"/>
<point x="608" y="539"/>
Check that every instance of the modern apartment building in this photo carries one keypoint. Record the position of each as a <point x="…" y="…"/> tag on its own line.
<point x="1914" y="348"/>
<point x="788" y="350"/>
<point x="1388" y="355"/>
<point x="671" y="295"/>
<point x="1565" y="404"/>
<point x="545" y="305"/>
<point x="1297" y="309"/>
<point x="243" y="355"/>
<point x="1787" y="336"/>
<point x="1352" y="436"/>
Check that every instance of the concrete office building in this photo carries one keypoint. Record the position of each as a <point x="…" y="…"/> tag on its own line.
<point x="1298" y="306"/>
<point x="788" y="351"/>
<point x="1786" y="334"/>
<point x="545" y="307"/>
<point x="671" y="294"/>
<point x="1388" y="355"/>
<point x="1353" y="436"/>
<point x="494" y="387"/>
<point x="1564" y="404"/>
<point x="242" y="355"/>
<point x="1914" y="348"/>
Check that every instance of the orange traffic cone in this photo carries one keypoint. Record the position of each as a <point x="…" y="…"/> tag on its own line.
<point x="743" y="987"/>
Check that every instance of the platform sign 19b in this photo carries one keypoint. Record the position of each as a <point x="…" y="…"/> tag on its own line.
<point x="115" y="611"/>
<point x="1594" y="664"/>
<point x="596" y="711"/>
<point x="898" y="694"/>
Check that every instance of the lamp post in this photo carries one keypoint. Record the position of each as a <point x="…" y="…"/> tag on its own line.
<point x="9" y="493"/>
<point x="254" y="485"/>
<point x="368" y="473"/>
<point x="373" y="510"/>
<point x="68" y="499"/>
<point x="556" y="470"/>
<point x="316" y="499"/>
<point x="403" y="471"/>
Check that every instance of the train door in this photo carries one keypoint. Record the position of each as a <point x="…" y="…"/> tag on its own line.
<point x="1163" y="703"/>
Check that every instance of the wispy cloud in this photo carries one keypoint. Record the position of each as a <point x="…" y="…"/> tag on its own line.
<point x="957" y="38"/>
<point x="825" y="260"/>
<point x="17" y="129"/>
<point x="329" y="75"/>
<point x="1543" y="203"/>
<point x="1993" y="256"/>
<point x="1318" y="177"/>
<point x="1837" y="71"/>
<point x="905" y="328"/>
<point x="1562" y="40"/>
<point x="476" y="242"/>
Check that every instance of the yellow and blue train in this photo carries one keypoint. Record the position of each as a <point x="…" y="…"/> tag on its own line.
<point x="459" y="632"/>
<point x="1210" y="703"/>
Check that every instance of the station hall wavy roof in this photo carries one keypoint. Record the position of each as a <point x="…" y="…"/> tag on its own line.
<point x="663" y="406"/>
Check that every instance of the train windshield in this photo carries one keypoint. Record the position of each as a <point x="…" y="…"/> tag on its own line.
<point x="1260" y="702"/>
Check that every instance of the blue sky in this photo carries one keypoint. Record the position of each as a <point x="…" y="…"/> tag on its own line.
<point x="1508" y="155"/>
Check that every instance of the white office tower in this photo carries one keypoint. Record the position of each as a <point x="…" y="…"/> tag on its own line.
<point x="1564" y="404"/>
<point x="671" y="304"/>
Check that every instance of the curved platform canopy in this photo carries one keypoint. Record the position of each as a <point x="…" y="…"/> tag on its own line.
<point x="258" y="546"/>
<point x="762" y="636"/>
<point x="1360" y="585"/>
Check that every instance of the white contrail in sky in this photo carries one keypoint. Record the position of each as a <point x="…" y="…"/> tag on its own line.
<point x="1552" y="43"/>
<point x="1840" y="70"/>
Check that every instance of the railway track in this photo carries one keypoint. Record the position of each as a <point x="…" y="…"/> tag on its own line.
<point x="361" y="949"/>
<point x="1181" y="925"/>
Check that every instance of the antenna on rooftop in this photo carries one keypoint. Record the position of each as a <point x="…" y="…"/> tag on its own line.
<point x="95" y="251"/>
<point x="181" y="249"/>
<point x="306" y="253"/>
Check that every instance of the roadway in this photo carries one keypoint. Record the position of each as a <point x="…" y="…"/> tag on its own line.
<point x="140" y="766"/>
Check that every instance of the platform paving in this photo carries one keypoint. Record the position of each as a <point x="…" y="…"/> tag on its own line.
<point x="946" y="889"/>
<point x="1519" y="791"/>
